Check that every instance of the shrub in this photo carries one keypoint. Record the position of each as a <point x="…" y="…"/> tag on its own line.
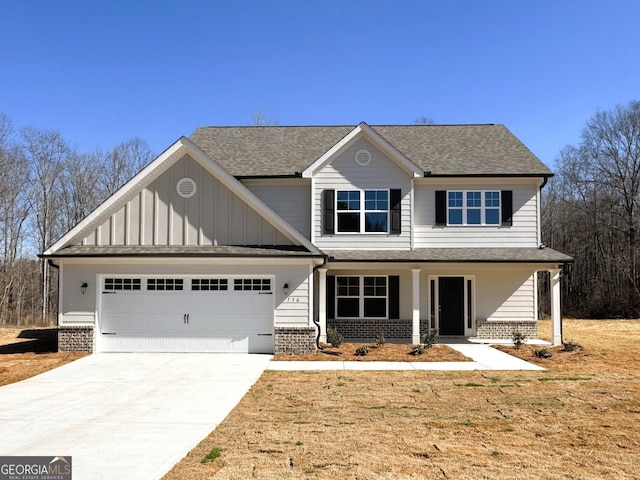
<point x="362" y="351"/>
<point x="380" y="337"/>
<point x="211" y="456"/>
<point x="542" y="353"/>
<point x="429" y="338"/>
<point x="518" y="338"/>
<point x="570" y="346"/>
<point x="417" y="350"/>
<point x="334" y="337"/>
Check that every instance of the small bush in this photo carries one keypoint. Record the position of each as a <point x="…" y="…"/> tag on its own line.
<point x="570" y="346"/>
<point x="417" y="350"/>
<point x="380" y="337"/>
<point x="362" y="351"/>
<point x="212" y="455"/>
<point x="518" y="338"/>
<point x="334" y="337"/>
<point x="542" y="353"/>
<point x="430" y="338"/>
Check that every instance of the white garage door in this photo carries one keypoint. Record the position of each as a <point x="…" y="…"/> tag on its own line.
<point x="186" y="314"/>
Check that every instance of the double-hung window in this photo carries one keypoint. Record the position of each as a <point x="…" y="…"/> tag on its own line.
<point x="479" y="207"/>
<point x="362" y="211"/>
<point x="361" y="297"/>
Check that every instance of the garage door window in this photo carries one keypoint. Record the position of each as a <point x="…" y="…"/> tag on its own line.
<point x="164" y="284"/>
<point x="252" y="284"/>
<point x="209" y="284"/>
<point x="113" y="284"/>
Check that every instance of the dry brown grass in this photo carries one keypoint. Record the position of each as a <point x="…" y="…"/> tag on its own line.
<point x="26" y="352"/>
<point x="390" y="352"/>
<point x="578" y="419"/>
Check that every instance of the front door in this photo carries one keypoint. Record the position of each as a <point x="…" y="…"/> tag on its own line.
<point x="451" y="305"/>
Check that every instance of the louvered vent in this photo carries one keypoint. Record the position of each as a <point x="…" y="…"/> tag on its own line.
<point x="186" y="187"/>
<point x="363" y="157"/>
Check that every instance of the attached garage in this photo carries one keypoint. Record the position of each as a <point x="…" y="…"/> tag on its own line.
<point x="186" y="314"/>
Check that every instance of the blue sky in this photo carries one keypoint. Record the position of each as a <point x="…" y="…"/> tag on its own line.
<point x="102" y="72"/>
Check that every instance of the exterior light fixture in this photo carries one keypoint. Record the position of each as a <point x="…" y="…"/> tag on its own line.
<point x="285" y="288"/>
<point x="83" y="288"/>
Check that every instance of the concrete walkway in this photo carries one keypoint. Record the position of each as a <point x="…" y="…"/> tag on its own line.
<point x="484" y="357"/>
<point x="124" y="415"/>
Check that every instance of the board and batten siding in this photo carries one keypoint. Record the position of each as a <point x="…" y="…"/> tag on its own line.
<point x="291" y="199"/>
<point x="80" y="309"/>
<point x="523" y="232"/>
<point x="158" y="215"/>
<point x="343" y="173"/>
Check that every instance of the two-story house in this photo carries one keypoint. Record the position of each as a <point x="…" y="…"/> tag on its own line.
<point x="255" y="239"/>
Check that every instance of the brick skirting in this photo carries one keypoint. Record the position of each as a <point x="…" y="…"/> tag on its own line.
<point x="366" y="329"/>
<point x="295" y="340"/>
<point x="75" y="339"/>
<point x="503" y="329"/>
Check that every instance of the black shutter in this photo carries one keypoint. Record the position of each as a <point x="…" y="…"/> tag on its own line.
<point x="441" y="207"/>
<point x="396" y="199"/>
<point x="328" y="200"/>
<point x="506" y="200"/>
<point x="394" y="297"/>
<point x="331" y="297"/>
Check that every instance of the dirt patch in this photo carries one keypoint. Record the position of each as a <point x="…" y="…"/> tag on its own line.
<point x="388" y="352"/>
<point x="26" y="352"/>
<point x="577" y="419"/>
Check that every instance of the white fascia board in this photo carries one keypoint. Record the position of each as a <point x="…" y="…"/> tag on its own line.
<point x="161" y="161"/>
<point x="374" y="137"/>
<point x="249" y="197"/>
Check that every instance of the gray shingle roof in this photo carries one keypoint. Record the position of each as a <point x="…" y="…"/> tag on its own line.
<point x="453" y="255"/>
<point x="180" y="251"/>
<point x="439" y="149"/>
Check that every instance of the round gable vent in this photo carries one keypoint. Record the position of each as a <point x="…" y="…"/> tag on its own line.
<point x="363" y="157"/>
<point x="186" y="187"/>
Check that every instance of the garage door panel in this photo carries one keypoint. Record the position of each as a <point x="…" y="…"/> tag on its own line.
<point x="187" y="320"/>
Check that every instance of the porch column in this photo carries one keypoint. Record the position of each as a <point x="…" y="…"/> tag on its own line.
<point x="415" y="330"/>
<point x="322" y="303"/>
<point x="556" y="319"/>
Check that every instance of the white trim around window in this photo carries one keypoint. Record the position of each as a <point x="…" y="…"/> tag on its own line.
<point x="362" y="296"/>
<point x="473" y="207"/>
<point x="362" y="211"/>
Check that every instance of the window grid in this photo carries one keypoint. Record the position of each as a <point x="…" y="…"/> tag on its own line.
<point x="122" y="284"/>
<point x="357" y="216"/>
<point x="165" y="284"/>
<point x="473" y="207"/>
<point x="209" y="284"/>
<point x="252" y="284"/>
<point x="362" y="297"/>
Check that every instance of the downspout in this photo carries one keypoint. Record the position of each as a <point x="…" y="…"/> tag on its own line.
<point x="57" y="267"/>
<point x="315" y="320"/>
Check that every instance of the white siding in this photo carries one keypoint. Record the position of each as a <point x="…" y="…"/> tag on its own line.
<point x="523" y="232"/>
<point x="157" y="215"/>
<point x="289" y="199"/>
<point x="343" y="173"/>
<point x="505" y="295"/>
<point x="76" y="308"/>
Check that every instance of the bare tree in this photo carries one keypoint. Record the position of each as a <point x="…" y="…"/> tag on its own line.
<point x="424" y="120"/>
<point x="260" y="119"/>
<point x="121" y="163"/>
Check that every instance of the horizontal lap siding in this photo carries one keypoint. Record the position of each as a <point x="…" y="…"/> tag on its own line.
<point x="523" y="232"/>
<point x="505" y="295"/>
<point x="291" y="202"/>
<point x="159" y="216"/>
<point x="344" y="173"/>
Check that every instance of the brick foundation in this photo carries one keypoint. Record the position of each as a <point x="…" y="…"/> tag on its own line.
<point x="295" y="340"/>
<point x="75" y="339"/>
<point x="366" y="329"/>
<point x="503" y="329"/>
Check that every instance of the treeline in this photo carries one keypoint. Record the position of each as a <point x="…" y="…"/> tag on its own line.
<point x="46" y="187"/>
<point x="590" y="211"/>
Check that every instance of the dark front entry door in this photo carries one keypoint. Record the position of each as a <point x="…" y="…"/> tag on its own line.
<point x="451" y="298"/>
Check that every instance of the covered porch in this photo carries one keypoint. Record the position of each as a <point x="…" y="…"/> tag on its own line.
<point x="461" y="293"/>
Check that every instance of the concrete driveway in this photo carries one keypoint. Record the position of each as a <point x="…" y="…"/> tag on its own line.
<point x="124" y="415"/>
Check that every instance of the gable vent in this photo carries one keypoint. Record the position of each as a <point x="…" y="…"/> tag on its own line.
<point x="186" y="187"/>
<point x="363" y="157"/>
